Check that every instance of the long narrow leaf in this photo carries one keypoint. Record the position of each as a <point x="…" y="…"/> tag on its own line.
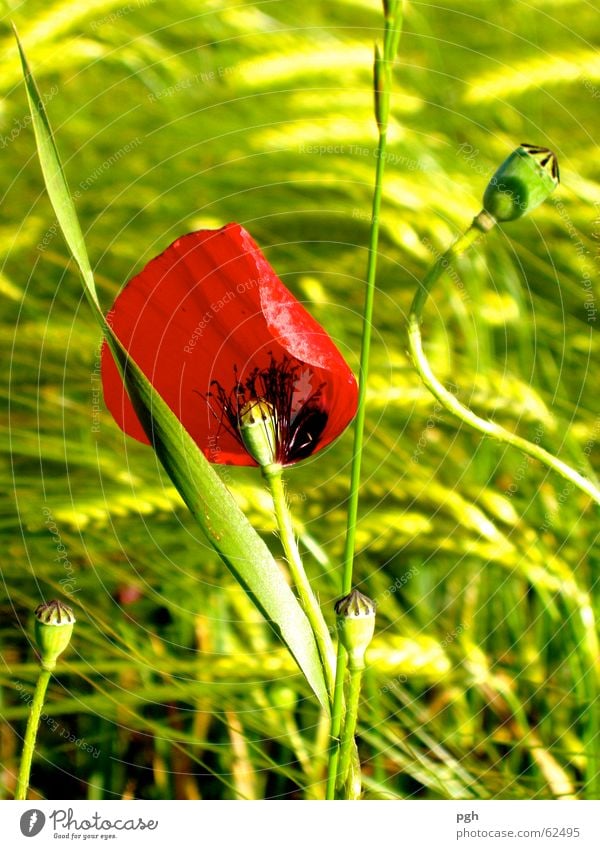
<point x="209" y="501"/>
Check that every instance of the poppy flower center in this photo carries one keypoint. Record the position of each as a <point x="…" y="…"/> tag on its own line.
<point x="274" y="413"/>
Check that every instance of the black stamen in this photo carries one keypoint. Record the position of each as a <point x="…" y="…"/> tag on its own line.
<point x="297" y="432"/>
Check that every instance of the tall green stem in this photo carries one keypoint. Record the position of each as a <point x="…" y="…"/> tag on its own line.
<point x="480" y="225"/>
<point x="274" y="478"/>
<point x="383" y="80"/>
<point x="355" y="474"/>
<point x="31" y="733"/>
<point x="359" y="423"/>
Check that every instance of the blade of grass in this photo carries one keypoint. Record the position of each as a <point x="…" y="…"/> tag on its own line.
<point x="211" y="504"/>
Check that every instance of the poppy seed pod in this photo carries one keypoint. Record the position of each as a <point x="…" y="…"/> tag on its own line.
<point x="355" y="625"/>
<point x="523" y="181"/>
<point x="53" y="628"/>
<point x="257" y="429"/>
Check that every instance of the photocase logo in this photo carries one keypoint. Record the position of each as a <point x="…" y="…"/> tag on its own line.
<point x="32" y="822"/>
<point x="303" y="389"/>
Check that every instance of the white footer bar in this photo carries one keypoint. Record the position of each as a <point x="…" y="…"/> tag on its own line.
<point x="301" y="825"/>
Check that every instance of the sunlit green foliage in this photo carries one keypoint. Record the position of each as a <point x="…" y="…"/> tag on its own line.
<point x="482" y="564"/>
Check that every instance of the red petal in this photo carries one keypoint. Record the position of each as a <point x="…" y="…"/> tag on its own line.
<point x="211" y="302"/>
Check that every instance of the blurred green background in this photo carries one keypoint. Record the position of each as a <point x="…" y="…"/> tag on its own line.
<point x="171" y="117"/>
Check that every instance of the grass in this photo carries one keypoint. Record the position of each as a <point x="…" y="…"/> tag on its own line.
<point x="483" y="565"/>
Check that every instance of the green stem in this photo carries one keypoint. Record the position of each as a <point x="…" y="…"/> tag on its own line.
<point x="591" y="688"/>
<point x="31" y="733"/>
<point x="382" y="87"/>
<point x="337" y="713"/>
<point x="359" y="428"/>
<point x="592" y="732"/>
<point x="359" y="422"/>
<point x="274" y="478"/>
<point x="583" y="626"/>
<point x="349" y="730"/>
<point x="481" y="224"/>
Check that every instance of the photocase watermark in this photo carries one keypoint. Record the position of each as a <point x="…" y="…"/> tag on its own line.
<point x="89" y="181"/>
<point x="398" y="583"/>
<point x="21" y="124"/>
<point x="32" y="822"/>
<point x="115" y="16"/>
<point x="524" y="464"/>
<point x="202" y="77"/>
<point x="596" y="228"/>
<point x="48" y="237"/>
<point x="406" y="163"/>
<point x="393" y="684"/>
<point x="91" y="827"/>
<point x="394" y="159"/>
<point x="596" y="237"/>
<point x="364" y="215"/>
<point x="108" y="163"/>
<point x="470" y="155"/>
<point x="243" y="70"/>
<point x="55" y="726"/>
<point x="594" y="90"/>
<point x="451" y="636"/>
<point x="431" y="423"/>
<point x="213" y="454"/>
<point x="583" y="257"/>
<point x="550" y="515"/>
<point x="568" y="488"/>
<point x="96" y="390"/>
<point x="216" y="307"/>
<point x="448" y="268"/>
<point x="69" y="582"/>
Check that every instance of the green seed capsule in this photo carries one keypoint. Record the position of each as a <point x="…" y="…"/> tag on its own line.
<point x="523" y="181"/>
<point x="53" y="628"/>
<point x="355" y="625"/>
<point x="257" y="428"/>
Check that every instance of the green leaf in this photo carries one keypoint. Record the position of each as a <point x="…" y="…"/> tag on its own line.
<point x="209" y="501"/>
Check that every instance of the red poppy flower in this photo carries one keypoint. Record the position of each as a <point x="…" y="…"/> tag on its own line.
<point x="216" y="332"/>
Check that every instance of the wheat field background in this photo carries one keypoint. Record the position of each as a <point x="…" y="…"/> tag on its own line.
<point x="174" y="117"/>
